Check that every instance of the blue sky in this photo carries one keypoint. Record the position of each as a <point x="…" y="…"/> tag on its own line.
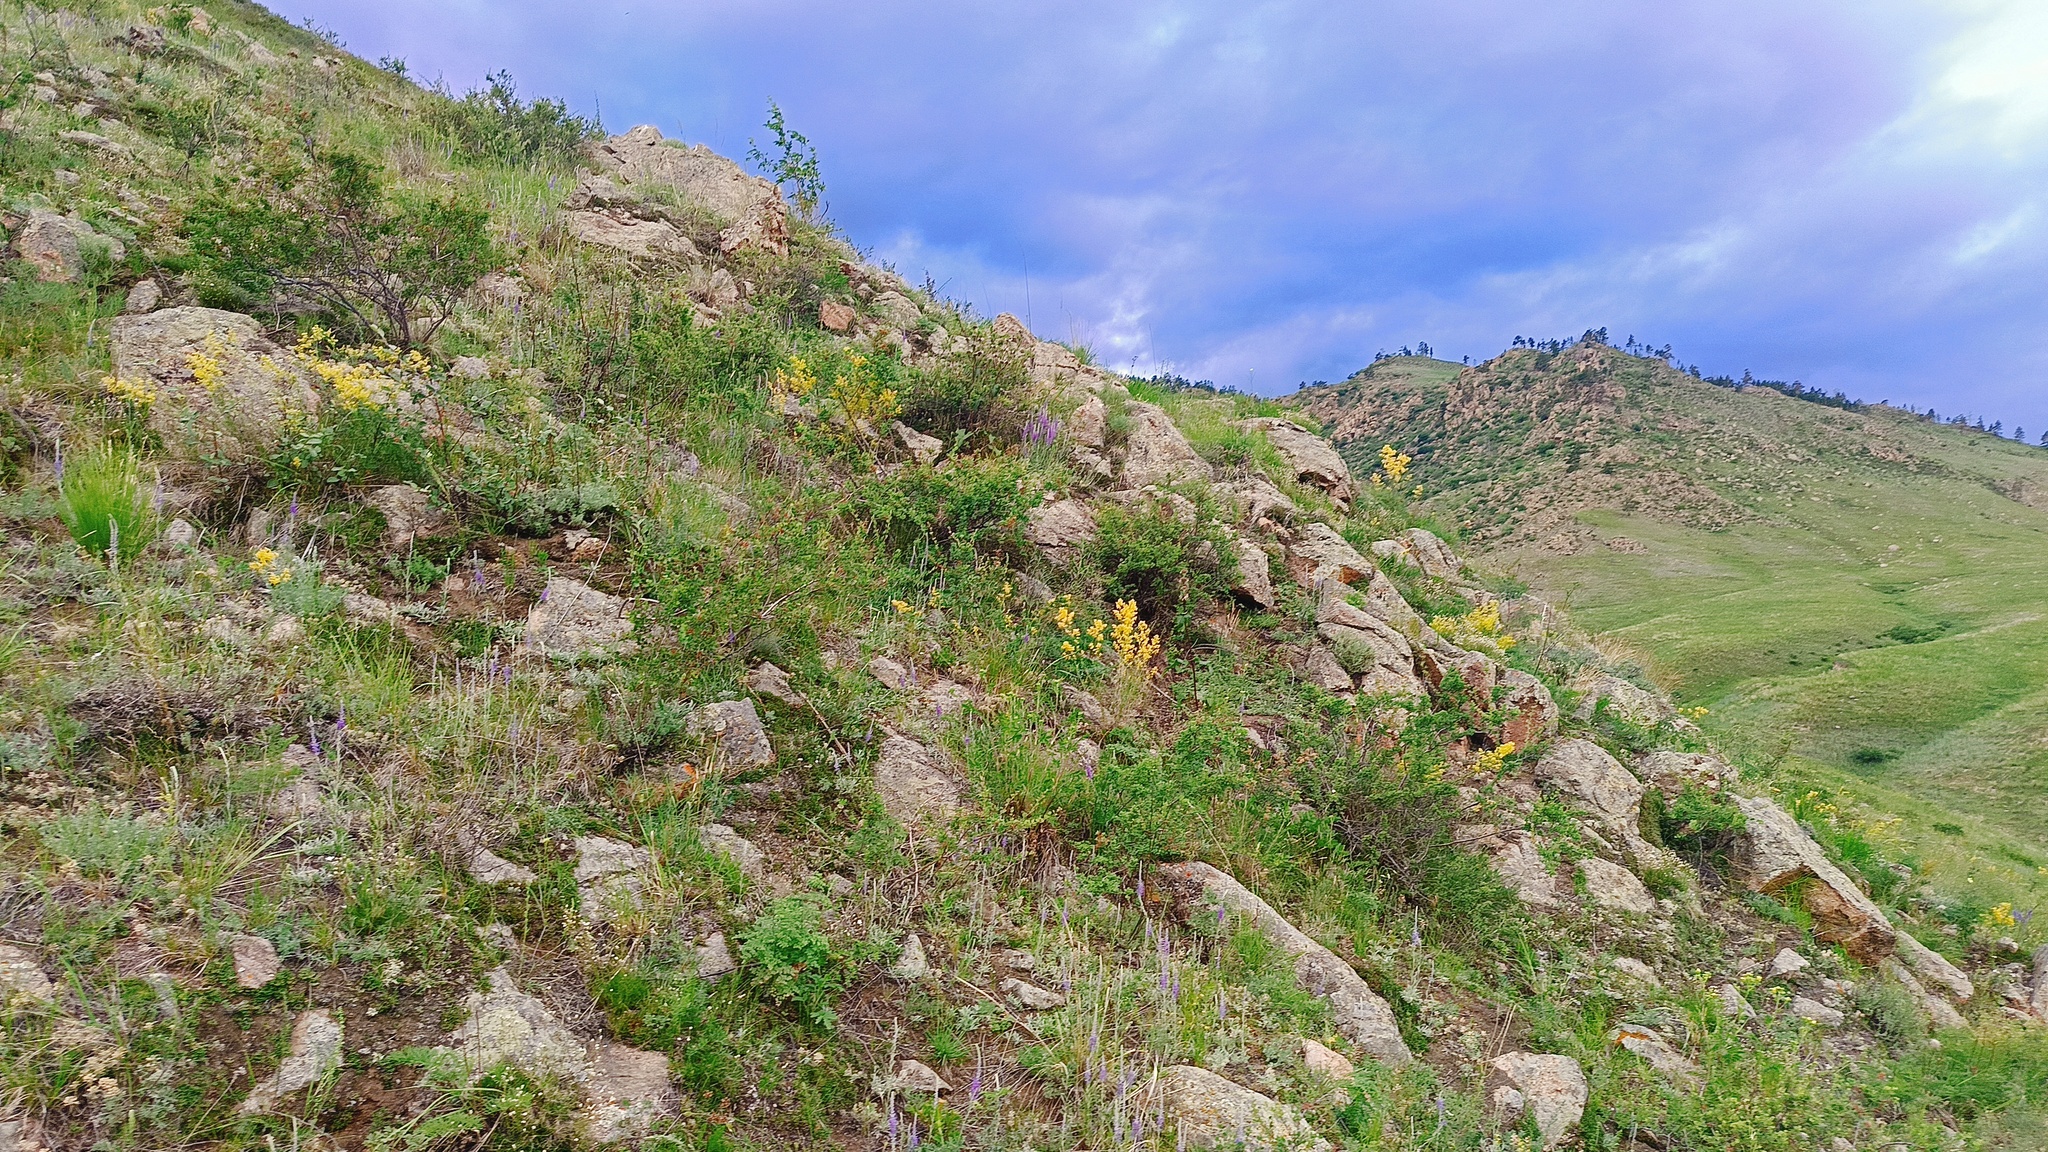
<point x="1260" y="193"/>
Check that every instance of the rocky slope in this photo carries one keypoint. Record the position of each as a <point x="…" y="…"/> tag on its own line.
<point x="712" y="695"/>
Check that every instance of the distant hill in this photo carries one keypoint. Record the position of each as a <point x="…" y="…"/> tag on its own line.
<point x="1860" y="592"/>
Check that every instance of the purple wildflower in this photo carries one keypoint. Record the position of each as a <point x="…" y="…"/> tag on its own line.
<point x="1415" y="935"/>
<point x="1042" y="429"/>
<point x="1141" y="889"/>
<point x="313" y="734"/>
<point x="913" y="1135"/>
<point x="892" y="1123"/>
<point x="974" y="1086"/>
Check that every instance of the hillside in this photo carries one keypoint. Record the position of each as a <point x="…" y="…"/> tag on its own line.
<point x="1856" y="596"/>
<point x="517" y="637"/>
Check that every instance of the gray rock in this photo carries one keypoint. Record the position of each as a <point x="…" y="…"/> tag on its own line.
<point x="143" y="297"/>
<point x="1533" y="714"/>
<point x="922" y="448"/>
<point x="750" y="207"/>
<point x="625" y="1094"/>
<point x="1649" y="1044"/>
<point x="1423" y="549"/>
<point x="714" y="959"/>
<point x="1787" y="963"/>
<point x="408" y="512"/>
<point x="1087" y="705"/>
<point x="1518" y="861"/>
<point x="179" y="534"/>
<point x="487" y="867"/>
<point x="571" y="619"/>
<point x="912" y="965"/>
<point x="1616" y="888"/>
<point x="1816" y="1012"/>
<point x="1553" y="1089"/>
<point x="507" y="1026"/>
<point x="1062" y="527"/>
<point x="1259" y="499"/>
<point x="632" y="235"/>
<point x="21" y="977"/>
<point x="608" y="874"/>
<point x="1325" y="555"/>
<point x="242" y="416"/>
<point x="1325" y="671"/>
<point x="1939" y="1012"/>
<point x="1636" y="705"/>
<point x="896" y="310"/>
<point x="723" y="840"/>
<point x="1088" y="426"/>
<point x="1156" y="452"/>
<point x="892" y="674"/>
<point x="1208" y="1111"/>
<point x="315" y="1054"/>
<point x="1324" y="1061"/>
<point x="767" y="680"/>
<point x="1672" y="772"/>
<point x="911" y="784"/>
<point x="1773" y="853"/>
<point x="1252" y="580"/>
<point x="1586" y="775"/>
<point x="1311" y="459"/>
<point x="1733" y="1006"/>
<point x="256" y="962"/>
<point x="915" y="1078"/>
<point x="284" y="632"/>
<point x="1031" y="996"/>
<point x="1358" y="1012"/>
<point x="734" y="729"/>
<point x="1933" y="968"/>
<point x="57" y="247"/>
<point x="1635" y="970"/>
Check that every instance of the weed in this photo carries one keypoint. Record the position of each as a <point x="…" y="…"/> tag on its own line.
<point x="103" y="503"/>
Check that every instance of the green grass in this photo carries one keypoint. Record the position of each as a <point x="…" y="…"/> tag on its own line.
<point x="1859" y="599"/>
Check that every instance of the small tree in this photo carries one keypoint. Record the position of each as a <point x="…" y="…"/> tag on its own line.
<point x="795" y="164"/>
<point x="327" y="231"/>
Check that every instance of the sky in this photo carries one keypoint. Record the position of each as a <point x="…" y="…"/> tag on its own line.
<point x="1265" y="193"/>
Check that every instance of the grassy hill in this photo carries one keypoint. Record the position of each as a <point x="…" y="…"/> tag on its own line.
<point x="1860" y="598"/>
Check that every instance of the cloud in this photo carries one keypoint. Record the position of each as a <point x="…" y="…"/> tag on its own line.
<point x="1845" y="193"/>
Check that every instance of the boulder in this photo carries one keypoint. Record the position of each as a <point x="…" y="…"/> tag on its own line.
<point x="836" y="317"/>
<point x="1062" y="528"/>
<point x="573" y="620"/>
<point x="1030" y="996"/>
<point x="633" y="235"/>
<point x="912" y="786"/>
<point x="1519" y="864"/>
<point x="487" y="867"/>
<point x="893" y="674"/>
<point x="608" y="874"/>
<point x="1672" y="772"/>
<point x="626" y="1092"/>
<point x="1155" y="451"/>
<point x="409" y="514"/>
<point x="1205" y="1110"/>
<point x="315" y="1053"/>
<point x="1319" y="553"/>
<point x="916" y="1078"/>
<point x="58" y="247"/>
<point x="22" y="978"/>
<point x="1815" y="1012"/>
<point x="1552" y="1088"/>
<point x="1616" y="888"/>
<point x="1088" y="425"/>
<point x="922" y="448"/>
<point x="256" y="962"/>
<point x="714" y="288"/>
<point x="723" y="840"/>
<point x="1933" y="968"/>
<point x="1772" y="853"/>
<point x="713" y="958"/>
<point x="1636" y="705"/>
<point x="766" y="679"/>
<point x="750" y="207"/>
<point x="143" y="297"/>
<point x="1733" y="1006"/>
<point x="896" y="310"/>
<point x="1476" y="674"/>
<point x="1585" y="774"/>
<point x="1635" y="970"/>
<point x="1358" y="1012"/>
<point x="1252" y="580"/>
<point x="1322" y="669"/>
<point x="912" y="965"/>
<point x="224" y="390"/>
<point x="1311" y="459"/>
<point x="1532" y="714"/>
<point x="1423" y="549"/>
<point x="1649" y="1044"/>
<point x="1325" y="1061"/>
<point x="1259" y="499"/>
<point x="1786" y="964"/>
<point x="1938" y="1011"/>
<point x="734" y="730"/>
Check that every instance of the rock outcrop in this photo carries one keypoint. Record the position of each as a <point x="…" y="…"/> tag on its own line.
<point x="60" y="247"/>
<point x="733" y="729"/>
<point x="912" y="785"/>
<point x="315" y="1053"/>
<point x="1773" y="852"/>
<point x="1551" y="1088"/>
<point x="1204" y="1110"/>
<point x="1156" y="452"/>
<point x="224" y="390"/>
<point x="1423" y="549"/>
<point x="1587" y="776"/>
<point x="1358" y="1012"/>
<point x="572" y="620"/>
<point x="1312" y="459"/>
<point x="750" y="208"/>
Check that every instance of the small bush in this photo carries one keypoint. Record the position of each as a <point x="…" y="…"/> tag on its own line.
<point x="966" y="399"/>
<point x="1698" y="823"/>
<point x="493" y="124"/>
<point x="1147" y="554"/>
<point x="790" y="961"/>
<point x="101" y="500"/>
<point x="977" y="503"/>
<point x="1891" y="1010"/>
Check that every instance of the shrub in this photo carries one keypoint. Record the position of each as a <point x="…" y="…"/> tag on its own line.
<point x="1149" y="555"/>
<point x="492" y="123"/>
<point x="966" y="398"/>
<point x="327" y="231"/>
<point x="101" y="501"/>
<point x="1891" y="1009"/>
<point x="789" y="960"/>
<point x="1698" y="823"/>
<point x="977" y="503"/>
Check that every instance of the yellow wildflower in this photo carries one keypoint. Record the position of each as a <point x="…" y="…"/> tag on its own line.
<point x="1491" y="762"/>
<point x="262" y="559"/>
<point x="1135" y="645"/>
<point x="207" y="368"/>
<point x="1393" y="464"/>
<point x="2001" y="916"/>
<point x="902" y="608"/>
<point x="141" y="395"/>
